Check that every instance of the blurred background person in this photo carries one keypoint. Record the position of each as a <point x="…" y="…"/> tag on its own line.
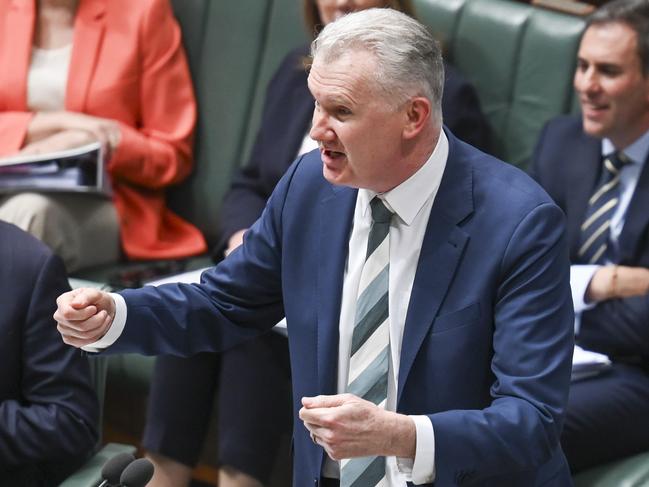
<point x="78" y="71"/>
<point x="48" y="407"/>
<point x="252" y="382"/>
<point x="595" y="168"/>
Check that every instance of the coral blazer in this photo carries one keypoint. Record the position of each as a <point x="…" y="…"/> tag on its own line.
<point x="128" y="65"/>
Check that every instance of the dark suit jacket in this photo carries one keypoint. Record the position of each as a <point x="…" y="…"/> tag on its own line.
<point x="567" y="163"/>
<point x="48" y="408"/>
<point x="487" y="344"/>
<point x="285" y="120"/>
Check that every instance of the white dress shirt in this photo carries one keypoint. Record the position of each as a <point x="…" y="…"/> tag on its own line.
<point x="581" y="275"/>
<point x="411" y="203"/>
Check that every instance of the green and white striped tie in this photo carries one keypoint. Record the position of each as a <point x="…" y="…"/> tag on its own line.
<point x="370" y="351"/>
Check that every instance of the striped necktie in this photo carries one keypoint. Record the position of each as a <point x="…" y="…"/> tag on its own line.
<point x="370" y="350"/>
<point x="601" y="207"/>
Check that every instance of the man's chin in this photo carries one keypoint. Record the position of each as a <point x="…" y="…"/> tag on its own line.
<point x="337" y="177"/>
<point x="593" y="128"/>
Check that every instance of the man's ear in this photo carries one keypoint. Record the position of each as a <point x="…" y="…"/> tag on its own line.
<point x="418" y="113"/>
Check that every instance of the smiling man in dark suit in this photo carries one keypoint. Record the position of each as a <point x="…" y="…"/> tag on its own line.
<point x="595" y="168"/>
<point x="425" y="285"/>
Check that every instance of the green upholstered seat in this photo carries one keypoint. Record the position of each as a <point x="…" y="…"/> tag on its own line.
<point x="629" y="472"/>
<point x="520" y="59"/>
<point x="224" y="42"/>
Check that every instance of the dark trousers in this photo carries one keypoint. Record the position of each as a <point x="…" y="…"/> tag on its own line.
<point x="607" y="417"/>
<point x="252" y="384"/>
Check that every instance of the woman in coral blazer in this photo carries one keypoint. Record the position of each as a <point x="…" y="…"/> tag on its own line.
<point x="129" y="87"/>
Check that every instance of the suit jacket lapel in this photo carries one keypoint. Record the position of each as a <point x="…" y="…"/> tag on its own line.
<point x="19" y="34"/>
<point x="337" y="212"/>
<point x="440" y="255"/>
<point x="636" y="220"/>
<point x="88" y="33"/>
<point x="583" y="165"/>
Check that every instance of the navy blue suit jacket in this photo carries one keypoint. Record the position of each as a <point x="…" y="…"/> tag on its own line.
<point x="567" y="162"/>
<point x="286" y="116"/>
<point x="48" y="408"/>
<point x="487" y="343"/>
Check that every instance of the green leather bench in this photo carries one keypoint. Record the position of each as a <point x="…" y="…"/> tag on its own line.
<point x="520" y="58"/>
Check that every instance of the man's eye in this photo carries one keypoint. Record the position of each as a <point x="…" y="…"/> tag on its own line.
<point x="342" y="111"/>
<point x="610" y="71"/>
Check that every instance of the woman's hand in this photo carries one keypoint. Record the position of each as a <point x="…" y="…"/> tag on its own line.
<point x="66" y="139"/>
<point x="45" y="125"/>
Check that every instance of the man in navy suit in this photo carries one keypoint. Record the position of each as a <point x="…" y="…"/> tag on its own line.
<point x="477" y="303"/>
<point x="607" y="415"/>
<point x="48" y="407"/>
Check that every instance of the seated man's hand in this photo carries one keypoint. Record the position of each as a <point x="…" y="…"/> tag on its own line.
<point x="84" y="316"/>
<point x="234" y="241"/>
<point x="347" y="426"/>
<point x="611" y="282"/>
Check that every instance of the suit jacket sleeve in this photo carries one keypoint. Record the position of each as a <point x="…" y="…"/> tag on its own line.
<point x="55" y="413"/>
<point x="157" y="151"/>
<point x="13" y="129"/>
<point x="532" y="342"/>
<point x="238" y="299"/>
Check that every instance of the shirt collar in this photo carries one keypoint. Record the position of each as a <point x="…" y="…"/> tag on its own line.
<point x="637" y="152"/>
<point x="408" y="198"/>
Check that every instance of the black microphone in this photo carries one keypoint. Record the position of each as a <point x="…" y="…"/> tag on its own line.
<point x="113" y="468"/>
<point x="137" y="474"/>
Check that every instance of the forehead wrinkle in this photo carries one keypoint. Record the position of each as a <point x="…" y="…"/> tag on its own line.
<point x="341" y="85"/>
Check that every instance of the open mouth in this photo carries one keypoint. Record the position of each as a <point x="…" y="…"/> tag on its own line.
<point x="329" y="155"/>
<point x="592" y="108"/>
<point x="333" y="154"/>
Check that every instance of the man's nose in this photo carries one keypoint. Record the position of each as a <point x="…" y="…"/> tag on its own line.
<point x="320" y="129"/>
<point x="587" y="82"/>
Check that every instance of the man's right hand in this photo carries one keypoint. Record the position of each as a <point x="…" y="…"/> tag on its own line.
<point x="84" y="316"/>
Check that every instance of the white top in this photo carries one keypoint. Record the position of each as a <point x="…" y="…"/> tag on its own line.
<point x="47" y="78"/>
<point x="581" y="275"/>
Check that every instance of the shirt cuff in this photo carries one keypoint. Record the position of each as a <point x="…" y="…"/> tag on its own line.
<point x="580" y="277"/>
<point x="421" y="470"/>
<point x="115" y="330"/>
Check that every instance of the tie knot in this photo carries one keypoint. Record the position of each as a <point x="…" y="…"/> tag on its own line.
<point x="615" y="161"/>
<point x="380" y="213"/>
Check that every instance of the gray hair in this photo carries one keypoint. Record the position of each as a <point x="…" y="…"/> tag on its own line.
<point x="635" y="14"/>
<point x="408" y="58"/>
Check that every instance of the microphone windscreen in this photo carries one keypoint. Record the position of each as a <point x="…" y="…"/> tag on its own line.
<point x="114" y="467"/>
<point x="137" y="474"/>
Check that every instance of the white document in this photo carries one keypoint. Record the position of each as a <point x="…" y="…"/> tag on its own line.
<point x="587" y="364"/>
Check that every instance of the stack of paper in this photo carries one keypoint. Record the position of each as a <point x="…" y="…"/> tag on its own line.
<point x="588" y="364"/>
<point x="80" y="170"/>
